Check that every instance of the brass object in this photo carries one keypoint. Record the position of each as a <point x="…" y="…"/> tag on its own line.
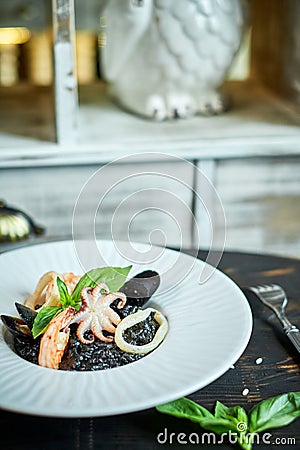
<point x="10" y="40"/>
<point x="16" y="225"/>
<point x="38" y="52"/>
<point x="9" y="60"/>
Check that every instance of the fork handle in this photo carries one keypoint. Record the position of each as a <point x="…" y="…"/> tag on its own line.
<point x="294" y="335"/>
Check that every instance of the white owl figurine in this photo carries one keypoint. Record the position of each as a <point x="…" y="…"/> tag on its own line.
<point x="167" y="58"/>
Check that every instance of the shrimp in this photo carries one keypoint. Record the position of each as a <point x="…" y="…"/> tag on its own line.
<point x="55" y="339"/>
<point x="46" y="292"/>
<point x="36" y="297"/>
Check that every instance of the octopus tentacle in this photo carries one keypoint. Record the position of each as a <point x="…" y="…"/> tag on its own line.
<point x="103" y="338"/>
<point x="97" y="330"/>
<point x="82" y="328"/>
<point x="112" y="296"/>
<point x="85" y="295"/>
<point x="122" y="298"/>
<point x="81" y="315"/>
<point x="113" y="316"/>
<point x="107" y="324"/>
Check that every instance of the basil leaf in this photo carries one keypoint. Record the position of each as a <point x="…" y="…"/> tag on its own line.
<point x="113" y="277"/>
<point x="221" y="410"/>
<point x="274" y="412"/>
<point x="237" y="414"/>
<point x="76" y="303"/>
<point x="239" y="419"/>
<point x="227" y="426"/>
<point x="185" y="408"/>
<point x="271" y="413"/>
<point x="64" y="296"/>
<point x="218" y="425"/>
<point x="43" y="318"/>
<point x="240" y="414"/>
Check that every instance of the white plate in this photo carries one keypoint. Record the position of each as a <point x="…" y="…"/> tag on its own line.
<point x="210" y="325"/>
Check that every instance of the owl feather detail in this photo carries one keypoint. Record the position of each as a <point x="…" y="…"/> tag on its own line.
<point x="168" y="58"/>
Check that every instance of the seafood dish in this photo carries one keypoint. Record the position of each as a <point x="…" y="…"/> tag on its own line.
<point x="94" y="322"/>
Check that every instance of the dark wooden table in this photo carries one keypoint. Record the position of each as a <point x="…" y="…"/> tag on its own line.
<point x="278" y="373"/>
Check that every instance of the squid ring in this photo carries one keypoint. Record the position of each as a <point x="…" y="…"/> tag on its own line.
<point x="135" y="318"/>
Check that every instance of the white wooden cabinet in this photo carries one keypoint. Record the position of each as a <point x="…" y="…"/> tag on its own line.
<point x="251" y="154"/>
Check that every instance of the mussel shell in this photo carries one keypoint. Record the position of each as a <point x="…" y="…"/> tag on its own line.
<point x="141" y="287"/>
<point x="27" y="314"/>
<point x="16" y="326"/>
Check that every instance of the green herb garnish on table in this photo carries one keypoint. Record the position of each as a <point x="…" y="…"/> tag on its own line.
<point x="274" y="412"/>
<point x="113" y="277"/>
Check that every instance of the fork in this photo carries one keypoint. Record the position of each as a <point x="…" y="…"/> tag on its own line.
<point x="275" y="298"/>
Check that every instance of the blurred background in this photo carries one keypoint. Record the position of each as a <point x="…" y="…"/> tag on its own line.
<point x="251" y="153"/>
